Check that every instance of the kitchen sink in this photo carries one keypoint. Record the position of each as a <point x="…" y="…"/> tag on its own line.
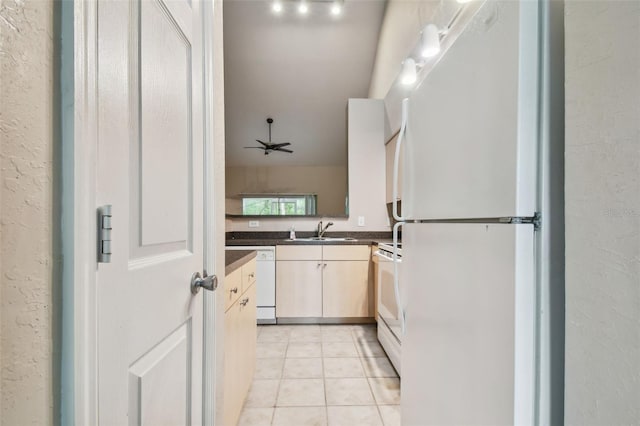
<point x="323" y="239"/>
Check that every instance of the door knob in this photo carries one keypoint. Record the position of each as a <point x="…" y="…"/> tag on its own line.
<point x="209" y="282"/>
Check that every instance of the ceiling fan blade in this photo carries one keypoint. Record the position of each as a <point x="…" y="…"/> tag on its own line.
<point x="283" y="150"/>
<point x="266" y="144"/>
<point x="279" y="145"/>
<point x="255" y="147"/>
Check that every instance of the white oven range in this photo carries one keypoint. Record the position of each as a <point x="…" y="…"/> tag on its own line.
<point x="389" y="324"/>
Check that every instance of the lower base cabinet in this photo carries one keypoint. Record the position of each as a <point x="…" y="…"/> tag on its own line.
<point x="240" y="336"/>
<point x="299" y="289"/>
<point x="346" y="290"/>
<point x="324" y="281"/>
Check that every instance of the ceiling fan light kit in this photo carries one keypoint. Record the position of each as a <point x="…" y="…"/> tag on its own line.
<point x="270" y="146"/>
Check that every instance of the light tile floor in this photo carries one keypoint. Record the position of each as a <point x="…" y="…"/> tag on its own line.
<point x="322" y="375"/>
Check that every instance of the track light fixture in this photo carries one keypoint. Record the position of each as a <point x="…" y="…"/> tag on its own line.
<point x="336" y="7"/>
<point x="428" y="47"/>
<point x="303" y="7"/>
<point x="409" y="73"/>
<point x="430" y="41"/>
<point x="276" y="6"/>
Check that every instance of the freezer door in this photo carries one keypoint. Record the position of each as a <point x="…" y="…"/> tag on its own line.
<point x="468" y="350"/>
<point x="470" y="144"/>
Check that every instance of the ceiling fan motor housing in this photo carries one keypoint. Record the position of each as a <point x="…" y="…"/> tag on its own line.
<point x="270" y="146"/>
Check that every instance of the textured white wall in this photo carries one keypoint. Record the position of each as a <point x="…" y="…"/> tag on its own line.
<point x="26" y="223"/>
<point x="602" y="194"/>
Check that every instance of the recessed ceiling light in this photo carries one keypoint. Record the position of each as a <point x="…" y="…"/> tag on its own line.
<point x="276" y="7"/>
<point x="303" y="7"/>
<point x="464" y="1"/>
<point x="336" y="8"/>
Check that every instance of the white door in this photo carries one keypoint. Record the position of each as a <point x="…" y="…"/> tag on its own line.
<point x="150" y="169"/>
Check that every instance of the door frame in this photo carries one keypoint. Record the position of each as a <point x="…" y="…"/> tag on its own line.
<point x="79" y="131"/>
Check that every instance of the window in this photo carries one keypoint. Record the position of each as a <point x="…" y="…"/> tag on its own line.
<point x="279" y="205"/>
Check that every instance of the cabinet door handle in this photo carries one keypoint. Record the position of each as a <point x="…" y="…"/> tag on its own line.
<point x="319" y="265"/>
<point x="244" y="301"/>
<point x="251" y="275"/>
<point x="234" y="290"/>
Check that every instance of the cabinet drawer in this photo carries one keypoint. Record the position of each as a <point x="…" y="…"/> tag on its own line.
<point x="240" y="336"/>
<point x="232" y="288"/>
<point x="248" y="275"/>
<point x="298" y="252"/>
<point x="346" y="252"/>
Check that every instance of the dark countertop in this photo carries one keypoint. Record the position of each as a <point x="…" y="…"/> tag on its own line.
<point x="234" y="259"/>
<point x="385" y="240"/>
<point x="282" y="238"/>
<point x="272" y="242"/>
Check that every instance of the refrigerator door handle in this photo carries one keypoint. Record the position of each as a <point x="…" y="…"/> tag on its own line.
<point x="396" y="158"/>
<point x="396" y="283"/>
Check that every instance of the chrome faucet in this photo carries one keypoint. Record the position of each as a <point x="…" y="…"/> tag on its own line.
<point x="322" y="230"/>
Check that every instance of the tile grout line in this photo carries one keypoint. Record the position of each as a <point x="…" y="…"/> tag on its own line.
<point x="359" y="354"/>
<point x="324" y="379"/>
<point x="275" y="404"/>
<point x="369" y="384"/>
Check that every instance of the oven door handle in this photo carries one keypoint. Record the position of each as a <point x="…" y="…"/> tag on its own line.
<point x="384" y="256"/>
<point x="396" y="282"/>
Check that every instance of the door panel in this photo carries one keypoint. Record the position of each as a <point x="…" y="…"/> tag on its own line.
<point x="298" y="288"/>
<point x="159" y="382"/>
<point x="165" y="136"/>
<point x="150" y="169"/>
<point x="345" y="289"/>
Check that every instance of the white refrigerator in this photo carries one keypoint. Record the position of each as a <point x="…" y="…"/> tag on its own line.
<point x="473" y="139"/>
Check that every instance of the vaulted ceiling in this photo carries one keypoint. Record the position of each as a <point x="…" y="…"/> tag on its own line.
<point x="299" y="70"/>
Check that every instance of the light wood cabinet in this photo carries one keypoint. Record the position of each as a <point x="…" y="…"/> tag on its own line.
<point x="330" y="281"/>
<point x="232" y="288"/>
<point x="298" y="288"/>
<point x="345" y="289"/>
<point x="240" y="335"/>
<point x="350" y="252"/>
<point x="248" y="275"/>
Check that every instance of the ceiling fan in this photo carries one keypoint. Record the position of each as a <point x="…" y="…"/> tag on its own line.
<point x="270" y="146"/>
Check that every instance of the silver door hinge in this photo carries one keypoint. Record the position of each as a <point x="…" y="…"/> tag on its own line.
<point x="535" y="220"/>
<point x="104" y="234"/>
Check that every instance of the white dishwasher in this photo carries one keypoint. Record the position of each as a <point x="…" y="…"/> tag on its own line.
<point x="265" y="282"/>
